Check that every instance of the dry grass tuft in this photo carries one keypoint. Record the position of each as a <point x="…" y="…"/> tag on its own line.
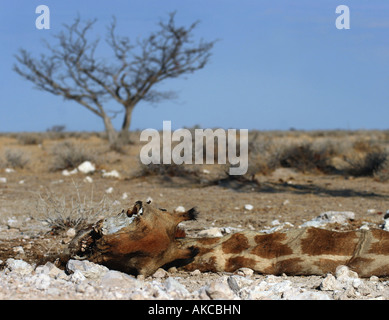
<point x="15" y="158"/>
<point x="77" y="212"/>
<point x="68" y="155"/>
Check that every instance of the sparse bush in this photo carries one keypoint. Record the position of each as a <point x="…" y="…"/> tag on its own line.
<point x="305" y="158"/>
<point x="56" y="128"/>
<point x="369" y="164"/>
<point x="171" y="170"/>
<point x="68" y="155"/>
<point x="382" y="173"/>
<point x="77" y="212"/>
<point x="29" y="139"/>
<point x="117" y="147"/>
<point x="16" y="159"/>
<point x="263" y="156"/>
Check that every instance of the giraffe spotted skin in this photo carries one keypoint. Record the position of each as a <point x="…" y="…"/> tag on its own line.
<point x="305" y="251"/>
<point x="144" y="238"/>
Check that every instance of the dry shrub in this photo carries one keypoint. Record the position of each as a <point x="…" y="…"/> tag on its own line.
<point x="170" y="170"/>
<point x="305" y="158"/>
<point x="263" y="155"/>
<point x="268" y="155"/>
<point x="382" y="173"/>
<point x="369" y="164"/>
<point x="15" y="159"/>
<point x="61" y="213"/>
<point x="68" y="155"/>
<point x="29" y="139"/>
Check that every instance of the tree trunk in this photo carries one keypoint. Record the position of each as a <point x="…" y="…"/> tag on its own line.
<point x="110" y="130"/>
<point x="124" y="135"/>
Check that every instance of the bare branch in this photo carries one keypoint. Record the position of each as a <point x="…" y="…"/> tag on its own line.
<point x="71" y="69"/>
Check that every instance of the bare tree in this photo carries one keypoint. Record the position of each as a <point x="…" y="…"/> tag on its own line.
<point x="71" y="69"/>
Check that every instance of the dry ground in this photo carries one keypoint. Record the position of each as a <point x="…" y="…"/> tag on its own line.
<point x="284" y="194"/>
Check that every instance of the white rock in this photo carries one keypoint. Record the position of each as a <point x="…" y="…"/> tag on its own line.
<point x="211" y="233"/>
<point x="271" y="288"/>
<point x="86" y="167"/>
<point x="196" y="272"/>
<point x="343" y="273"/>
<point x="19" y="266"/>
<point x="51" y="270"/>
<point x="9" y="170"/>
<point x="275" y="222"/>
<point x="21" y="182"/>
<point x="385" y="225"/>
<point x="3" y="180"/>
<point x="12" y="222"/>
<point x="71" y="232"/>
<point x="329" y="283"/>
<point x="88" y="179"/>
<point x="69" y="173"/>
<point x="340" y="217"/>
<point x="201" y="294"/>
<point x="248" y="207"/>
<point x="114" y="278"/>
<point x="53" y="291"/>
<point x="357" y="283"/>
<point x="111" y="174"/>
<point x="296" y="294"/>
<point x="109" y="190"/>
<point x="228" y="230"/>
<point x="88" y="269"/>
<point x="176" y="289"/>
<point x="239" y="280"/>
<point x="42" y="281"/>
<point x="219" y="291"/>
<point x="160" y="273"/>
<point x="278" y="227"/>
<point x="18" y="250"/>
<point x="157" y="291"/>
<point x="77" y="277"/>
<point x="124" y="196"/>
<point x="180" y="209"/>
<point x="246" y="272"/>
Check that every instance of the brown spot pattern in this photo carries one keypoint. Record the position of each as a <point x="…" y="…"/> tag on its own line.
<point x="204" y="250"/>
<point x="382" y="271"/>
<point x="207" y="241"/>
<point x="382" y="245"/>
<point x="270" y="246"/>
<point x="208" y="265"/>
<point x="235" y="263"/>
<point x="328" y="265"/>
<point x="320" y="241"/>
<point x="359" y="264"/>
<point x="288" y="266"/>
<point x="235" y="244"/>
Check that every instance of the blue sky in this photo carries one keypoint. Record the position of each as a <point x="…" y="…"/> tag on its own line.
<point x="277" y="65"/>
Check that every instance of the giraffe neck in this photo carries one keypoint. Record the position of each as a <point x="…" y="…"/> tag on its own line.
<point x="305" y="251"/>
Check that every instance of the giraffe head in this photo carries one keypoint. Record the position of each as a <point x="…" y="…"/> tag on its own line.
<point x="137" y="241"/>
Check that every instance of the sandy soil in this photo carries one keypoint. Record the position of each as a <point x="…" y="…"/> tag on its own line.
<point x="284" y="195"/>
